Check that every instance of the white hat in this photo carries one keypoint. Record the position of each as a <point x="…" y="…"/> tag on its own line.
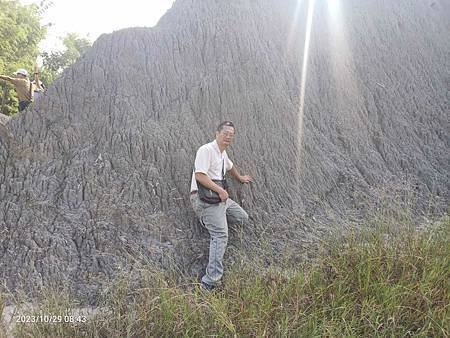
<point x="22" y="71"/>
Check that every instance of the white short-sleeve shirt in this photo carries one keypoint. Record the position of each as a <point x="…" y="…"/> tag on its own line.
<point x="209" y="161"/>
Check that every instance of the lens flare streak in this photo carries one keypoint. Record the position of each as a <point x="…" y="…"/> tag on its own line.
<point x="304" y="70"/>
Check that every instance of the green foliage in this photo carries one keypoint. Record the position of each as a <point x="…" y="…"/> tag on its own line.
<point x="378" y="283"/>
<point x="55" y="62"/>
<point x="20" y="35"/>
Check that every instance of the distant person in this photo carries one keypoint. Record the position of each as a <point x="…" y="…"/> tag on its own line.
<point x="39" y="88"/>
<point x="24" y="87"/>
<point x="210" y="200"/>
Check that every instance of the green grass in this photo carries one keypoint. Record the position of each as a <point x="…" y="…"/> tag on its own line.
<point x="367" y="284"/>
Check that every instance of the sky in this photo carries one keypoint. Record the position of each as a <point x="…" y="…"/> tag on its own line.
<point x="91" y="18"/>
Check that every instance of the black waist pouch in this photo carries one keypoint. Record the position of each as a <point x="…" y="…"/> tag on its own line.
<point x="210" y="196"/>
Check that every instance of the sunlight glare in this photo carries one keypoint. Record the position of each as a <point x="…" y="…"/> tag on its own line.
<point x="304" y="71"/>
<point x="334" y="7"/>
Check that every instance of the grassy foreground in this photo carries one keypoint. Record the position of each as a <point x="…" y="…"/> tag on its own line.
<point x="365" y="285"/>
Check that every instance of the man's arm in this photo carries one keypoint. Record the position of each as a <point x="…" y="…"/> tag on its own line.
<point x="241" y="178"/>
<point x="207" y="182"/>
<point x="6" y="78"/>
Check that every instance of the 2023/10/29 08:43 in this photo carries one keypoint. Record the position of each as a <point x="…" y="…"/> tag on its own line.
<point x="51" y="319"/>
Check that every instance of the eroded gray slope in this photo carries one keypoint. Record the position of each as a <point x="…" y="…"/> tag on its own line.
<point x="98" y="174"/>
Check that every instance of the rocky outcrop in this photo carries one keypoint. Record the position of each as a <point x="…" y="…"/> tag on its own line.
<point x="5" y="135"/>
<point x="98" y="176"/>
<point x="4" y="119"/>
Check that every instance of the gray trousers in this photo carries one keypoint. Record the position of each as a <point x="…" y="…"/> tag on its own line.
<point x="214" y="217"/>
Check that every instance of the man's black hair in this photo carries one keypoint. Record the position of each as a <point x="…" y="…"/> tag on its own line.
<point x="225" y="124"/>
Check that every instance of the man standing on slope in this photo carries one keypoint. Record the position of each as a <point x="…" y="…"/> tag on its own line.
<point x="211" y="164"/>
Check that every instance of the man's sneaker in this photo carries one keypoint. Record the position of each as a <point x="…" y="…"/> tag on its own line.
<point x="207" y="287"/>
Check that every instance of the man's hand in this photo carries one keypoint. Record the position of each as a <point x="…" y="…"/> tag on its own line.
<point x="246" y="179"/>
<point x="223" y="195"/>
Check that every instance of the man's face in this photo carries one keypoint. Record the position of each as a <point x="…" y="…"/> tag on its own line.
<point x="21" y="76"/>
<point x="225" y="136"/>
